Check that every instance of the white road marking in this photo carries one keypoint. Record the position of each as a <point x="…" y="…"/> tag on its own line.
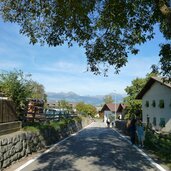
<point x="50" y="149"/>
<point x="142" y="153"/>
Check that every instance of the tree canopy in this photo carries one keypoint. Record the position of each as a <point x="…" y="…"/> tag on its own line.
<point x="134" y="107"/>
<point x="108" y="99"/>
<point x="16" y="87"/>
<point x="108" y="30"/>
<point x="86" y="109"/>
<point x="37" y="90"/>
<point x="19" y="88"/>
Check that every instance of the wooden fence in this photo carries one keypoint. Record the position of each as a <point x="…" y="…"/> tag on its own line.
<point x="7" y="111"/>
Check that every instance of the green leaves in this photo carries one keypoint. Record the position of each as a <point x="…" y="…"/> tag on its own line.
<point x="15" y="86"/>
<point x="108" y="30"/>
<point x="86" y="109"/>
<point x="165" y="60"/>
<point x="108" y="99"/>
<point x="19" y="88"/>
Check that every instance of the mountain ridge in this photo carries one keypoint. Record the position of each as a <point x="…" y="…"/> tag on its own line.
<point x="73" y="97"/>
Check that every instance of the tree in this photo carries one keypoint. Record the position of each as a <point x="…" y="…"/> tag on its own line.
<point x="107" y="99"/>
<point x="108" y="30"/>
<point x="15" y="86"/>
<point x="63" y="104"/>
<point x="134" y="106"/>
<point x="135" y="87"/>
<point x="37" y="90"/>
<point x="86" y="109"/>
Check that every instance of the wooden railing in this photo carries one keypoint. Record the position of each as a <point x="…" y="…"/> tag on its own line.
<point x="49" y="117"/>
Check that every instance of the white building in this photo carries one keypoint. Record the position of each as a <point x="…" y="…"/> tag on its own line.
<point x="109" y="110"/>
<point x="156" y="103"/>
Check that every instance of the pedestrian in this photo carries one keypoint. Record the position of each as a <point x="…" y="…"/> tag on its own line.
<point x="133" y="130"/>
<point x="108" y="122"/>
<point x="112" y="124"/>
<point x="140" y="133"/>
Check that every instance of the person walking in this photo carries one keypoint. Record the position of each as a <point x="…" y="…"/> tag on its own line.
<point x="108" y="122"/>
<point x="140" y="133"/>
<point x="133" y="130"/>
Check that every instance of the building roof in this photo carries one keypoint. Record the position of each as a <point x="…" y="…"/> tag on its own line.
<point x="121" y="107"/>
<point x="110" y="107"/>
<point x="149" y="83"/>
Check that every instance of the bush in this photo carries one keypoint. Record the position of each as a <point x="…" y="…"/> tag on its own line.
<point x="159" y="144"/>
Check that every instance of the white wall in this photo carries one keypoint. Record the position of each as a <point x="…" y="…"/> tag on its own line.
<point x="107" y="114"/>
<point x="157" y="92"/>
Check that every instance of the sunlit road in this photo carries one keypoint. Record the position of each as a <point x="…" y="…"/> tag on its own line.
<point x="96" y="148"/>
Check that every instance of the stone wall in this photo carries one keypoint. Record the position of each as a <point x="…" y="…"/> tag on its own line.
<point x="20" y="144"/>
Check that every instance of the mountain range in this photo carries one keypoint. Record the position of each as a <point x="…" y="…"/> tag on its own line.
<point x="73" y="97"/>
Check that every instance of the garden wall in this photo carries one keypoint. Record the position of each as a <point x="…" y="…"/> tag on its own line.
<point x="20" y="144"/>
<point x="123" y="125"/>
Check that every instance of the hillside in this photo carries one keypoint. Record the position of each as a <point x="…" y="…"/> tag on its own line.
<point x="73" y="97"/>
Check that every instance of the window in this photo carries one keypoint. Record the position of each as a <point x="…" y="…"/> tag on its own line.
<point x="147" y="103"/>
<point x="154" y="103"/>
<point x="148" y="120"/>
<point x="154" y="121"/>
<point x="161" y="103"/>
<point x="162" y="122"/>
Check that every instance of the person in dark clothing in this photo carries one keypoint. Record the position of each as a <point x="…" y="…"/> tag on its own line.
<point x="133" y="130"/>
<point x="108" y="123"/>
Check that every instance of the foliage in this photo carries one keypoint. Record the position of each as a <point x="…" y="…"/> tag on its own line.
<point x="37" y="90"/>
<point x="86" y="109"/>
<point x="56" y="125"/>
<point x="107" y="99"/>
<point x="19" y="87"/>
<point x="159" y="144"/>
<point x="63" y="104"/>
<point x="165" y="61"/>
<point x="30" y="129"/>
<point x="135" y="87"/>
<point x="134" y="108"/>
<point x="15" y="85"/>
<point x="108" y="30"/>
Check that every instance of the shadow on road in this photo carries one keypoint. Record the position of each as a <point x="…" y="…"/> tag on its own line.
<point x="94" y="149"/>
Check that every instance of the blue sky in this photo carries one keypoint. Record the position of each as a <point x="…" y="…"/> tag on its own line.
<point x="63" y="69"/>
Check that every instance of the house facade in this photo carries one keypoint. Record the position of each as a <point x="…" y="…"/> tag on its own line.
<point x="156" y="103"/>
<point x="121" y="111"/>
<point x="109" y="111"/>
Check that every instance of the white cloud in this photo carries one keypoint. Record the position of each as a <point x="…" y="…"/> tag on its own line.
<point x="9" y="65"/>
<point x="64" y="66"/>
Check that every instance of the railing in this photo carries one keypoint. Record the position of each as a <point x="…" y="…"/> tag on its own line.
<point x="159" y="142"/>
<point x="48" y="117"/>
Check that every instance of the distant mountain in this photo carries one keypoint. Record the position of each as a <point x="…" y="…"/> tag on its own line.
<point x="73" y="97"/>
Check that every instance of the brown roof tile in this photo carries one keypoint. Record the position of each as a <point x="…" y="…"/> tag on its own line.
<point x="149" y="83"/>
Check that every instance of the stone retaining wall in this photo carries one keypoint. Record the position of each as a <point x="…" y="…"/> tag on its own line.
<point x="20" y="144"/>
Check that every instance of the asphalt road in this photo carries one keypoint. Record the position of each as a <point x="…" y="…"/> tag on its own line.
<point x="95" y="148"/>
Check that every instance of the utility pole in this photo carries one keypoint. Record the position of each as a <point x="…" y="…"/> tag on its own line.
<point x="115" y="104"/>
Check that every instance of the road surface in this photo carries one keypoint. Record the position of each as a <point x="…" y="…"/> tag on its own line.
<point x="95" y="148"/>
